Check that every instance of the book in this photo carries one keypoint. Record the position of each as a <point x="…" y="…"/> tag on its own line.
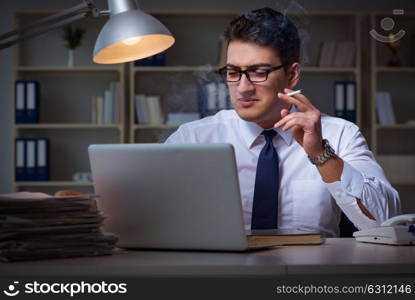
<point x="337" y="54"/>
<point x="327" y="54"/>
<point x="284" y="237"/>
<point x="154" y="110"/>
<point x="108" y="107"/>
<point x="384" y="108"/>
<point x="141" y="109"/>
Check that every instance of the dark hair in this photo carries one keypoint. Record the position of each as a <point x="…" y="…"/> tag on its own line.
<point x="267" y="27"/>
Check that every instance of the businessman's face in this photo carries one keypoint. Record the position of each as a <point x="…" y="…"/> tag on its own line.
<point x="257" y="101"/>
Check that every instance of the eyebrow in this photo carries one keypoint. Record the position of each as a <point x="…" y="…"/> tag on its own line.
<point x="251" y="66"/>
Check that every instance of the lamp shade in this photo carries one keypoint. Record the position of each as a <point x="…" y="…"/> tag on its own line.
<point x="131" y="35"/>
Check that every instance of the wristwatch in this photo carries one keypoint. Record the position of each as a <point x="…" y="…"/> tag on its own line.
<point x="325" y="156"/>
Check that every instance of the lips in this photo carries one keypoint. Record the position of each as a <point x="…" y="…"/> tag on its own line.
<point x="248" y="102"/>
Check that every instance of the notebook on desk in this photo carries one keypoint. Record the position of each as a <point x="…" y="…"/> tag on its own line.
<point x="167" y="196"/>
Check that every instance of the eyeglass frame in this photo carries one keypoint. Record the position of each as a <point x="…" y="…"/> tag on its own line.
<point x="266" y="71"/>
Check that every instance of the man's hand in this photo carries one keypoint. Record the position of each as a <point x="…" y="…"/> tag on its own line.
<point x="305" y="124"/>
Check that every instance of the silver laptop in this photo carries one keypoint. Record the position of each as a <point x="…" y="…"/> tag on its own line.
<point x="170" y="196"/>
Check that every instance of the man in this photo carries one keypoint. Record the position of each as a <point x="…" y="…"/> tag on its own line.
<point x="297" y="168"/>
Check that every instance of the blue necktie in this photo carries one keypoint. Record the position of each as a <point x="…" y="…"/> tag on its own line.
<point x="265" y="206"/>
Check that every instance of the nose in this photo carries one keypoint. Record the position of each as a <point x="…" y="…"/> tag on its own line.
<point x="245" y="86"/>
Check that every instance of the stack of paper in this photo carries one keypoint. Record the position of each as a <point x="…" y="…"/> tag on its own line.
<point x="40" y="226"/>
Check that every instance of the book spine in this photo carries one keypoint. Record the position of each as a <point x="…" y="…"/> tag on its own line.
<point x="100" y="110"/>
<point x="94" y="110"/>
<point x="154" y="107"/>
<point x="108" y="107"/>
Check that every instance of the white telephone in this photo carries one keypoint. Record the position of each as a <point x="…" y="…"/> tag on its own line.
<point x="399" y="230"/>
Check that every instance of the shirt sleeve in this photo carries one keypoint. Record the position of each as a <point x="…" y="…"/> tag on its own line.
<point x="178" y="137"/>
<point x="363" y="178"/>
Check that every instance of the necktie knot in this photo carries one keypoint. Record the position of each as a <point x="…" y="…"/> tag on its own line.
<point x="269" y="135"/>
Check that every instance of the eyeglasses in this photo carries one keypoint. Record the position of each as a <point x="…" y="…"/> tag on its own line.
<point x="254" y="74"/>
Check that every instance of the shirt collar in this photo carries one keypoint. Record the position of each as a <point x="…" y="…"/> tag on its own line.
<point x="251" y="130"/>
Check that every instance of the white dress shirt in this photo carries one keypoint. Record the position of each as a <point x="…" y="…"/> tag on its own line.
<point x="305" y="201"/>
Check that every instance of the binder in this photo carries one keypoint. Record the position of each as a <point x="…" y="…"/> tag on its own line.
<point x="351" y="102"/>
<point x="30" y="160"/>
<point x="32" y="101"/>
<point x="20" y="165"/>
<point x="20" y="101"/>
<point x="339" y="97"/>
<point x="42" y="161"/>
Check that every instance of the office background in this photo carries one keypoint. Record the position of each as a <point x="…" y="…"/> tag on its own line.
<point x="392" y="143"/>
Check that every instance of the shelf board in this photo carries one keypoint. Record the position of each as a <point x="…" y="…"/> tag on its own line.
<point x="150" y="126"/>
<point x="395" y="69"/>
<point x="51" y="183"/>
<point x="67" y="126"/>
<point x="205" y="68"/>
<point x="68" y="69"/>
<point x="328" y="70"/>
<point x="396" y="126"/>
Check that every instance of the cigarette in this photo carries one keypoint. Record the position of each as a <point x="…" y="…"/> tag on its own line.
<point x="294" y="93"/>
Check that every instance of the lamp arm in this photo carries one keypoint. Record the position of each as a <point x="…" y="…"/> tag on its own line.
<point x="60" y="19"/>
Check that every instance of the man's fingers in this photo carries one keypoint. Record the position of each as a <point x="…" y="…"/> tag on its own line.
<point x="299" y="100"/>
<point x="284" y="113"/>
<point x="287" y="118"/>
<point x="299" y="121"/>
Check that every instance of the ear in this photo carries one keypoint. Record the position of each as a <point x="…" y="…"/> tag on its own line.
<point x="293" y="75"/>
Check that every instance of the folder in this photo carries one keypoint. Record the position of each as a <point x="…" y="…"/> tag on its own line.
<point x="42" y="161"/>
<point x="351" y="102"/>
<point x="20" y="101"/>
<point x="32" y="101"/>
<point x="20" y="167"/>
<point x="30" y="160"/>
<point x="339" y="99"/>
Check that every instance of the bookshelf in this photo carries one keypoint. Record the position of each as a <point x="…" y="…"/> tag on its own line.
<point x="65" y="101"/>
<point x="393" y="144"/>
<point x="175" y="82"/>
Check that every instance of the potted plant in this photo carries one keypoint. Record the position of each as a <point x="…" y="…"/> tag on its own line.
<point x="73" y="38"/>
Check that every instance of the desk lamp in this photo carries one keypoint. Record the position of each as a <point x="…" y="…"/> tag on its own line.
<point x="128" y="35"/>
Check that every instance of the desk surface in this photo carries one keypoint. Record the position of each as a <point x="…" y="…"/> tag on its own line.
<point x="335" y="256"/>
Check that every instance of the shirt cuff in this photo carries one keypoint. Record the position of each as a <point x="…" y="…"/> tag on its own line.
<point x="345" y="193"/>
<point x="351" y="182"/>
